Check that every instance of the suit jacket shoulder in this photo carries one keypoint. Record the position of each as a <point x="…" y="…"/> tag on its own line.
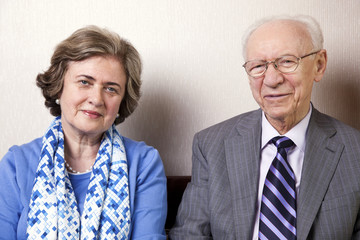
<point x="219" y="202"/>
<point x="240" y="124"/>
<point x="332" y="125"/>
<point x="329" y="197"/>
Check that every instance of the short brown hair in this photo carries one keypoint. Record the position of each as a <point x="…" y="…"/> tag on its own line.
<point x="85" y="43"/>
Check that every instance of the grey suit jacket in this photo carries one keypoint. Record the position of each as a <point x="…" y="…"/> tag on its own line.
<point x="219" y="202"/>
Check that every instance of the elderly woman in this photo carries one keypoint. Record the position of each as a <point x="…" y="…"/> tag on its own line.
<point x="82" y="179"/>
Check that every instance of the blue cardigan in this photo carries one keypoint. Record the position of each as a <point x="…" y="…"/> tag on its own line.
<point x="147" y="186"/>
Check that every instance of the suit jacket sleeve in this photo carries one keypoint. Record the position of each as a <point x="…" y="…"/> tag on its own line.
<point x="192" y="220"/>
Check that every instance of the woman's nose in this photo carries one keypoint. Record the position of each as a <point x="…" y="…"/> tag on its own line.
<point x="96" y="96"/>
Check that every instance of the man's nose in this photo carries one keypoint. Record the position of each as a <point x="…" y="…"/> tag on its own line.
<point x="272" y="76"/>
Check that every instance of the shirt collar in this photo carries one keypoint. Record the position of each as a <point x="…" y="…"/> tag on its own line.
<point x="296" y="134"/>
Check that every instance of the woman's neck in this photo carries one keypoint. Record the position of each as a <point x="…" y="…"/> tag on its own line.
<point x="80" y="152"/>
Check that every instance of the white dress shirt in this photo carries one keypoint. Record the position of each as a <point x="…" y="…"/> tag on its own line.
<point x="268" y="152"/>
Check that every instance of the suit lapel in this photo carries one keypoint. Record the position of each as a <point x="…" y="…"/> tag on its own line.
<point x="322" y="155"/>
<point x="242" y="158"/>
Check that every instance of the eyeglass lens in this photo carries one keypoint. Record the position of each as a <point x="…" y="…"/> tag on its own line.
<point x="284" y="64"/>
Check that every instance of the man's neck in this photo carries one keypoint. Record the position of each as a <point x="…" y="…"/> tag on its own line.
<point x="284" y="125"/>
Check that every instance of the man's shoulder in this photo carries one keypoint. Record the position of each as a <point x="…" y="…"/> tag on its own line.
<point x="228" y="127"/>
<point x="329" y="123"/>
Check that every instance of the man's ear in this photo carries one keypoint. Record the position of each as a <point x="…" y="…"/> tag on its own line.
<point x="320" y="61"/>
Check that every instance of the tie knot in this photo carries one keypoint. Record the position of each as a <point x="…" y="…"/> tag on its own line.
<point x="282" y="142"/>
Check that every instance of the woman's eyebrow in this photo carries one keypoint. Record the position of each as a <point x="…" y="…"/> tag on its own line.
<point x="86" y="76"/>
<point x="113" y="84"/>
<point x="93" y="79"/>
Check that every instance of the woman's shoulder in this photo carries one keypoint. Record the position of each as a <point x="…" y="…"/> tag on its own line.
<point x="32" y="145"/>
<point x="25" y="154"/>
<point x="140" y="154"/>
<point x="18" y="168"/>
<point x="137" y="147"/>
<point x="30" y="148"/>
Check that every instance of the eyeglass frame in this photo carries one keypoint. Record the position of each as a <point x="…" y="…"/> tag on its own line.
<point x="276" y="66"/>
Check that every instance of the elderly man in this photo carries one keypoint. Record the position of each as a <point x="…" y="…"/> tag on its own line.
<point x="285" y="171"/>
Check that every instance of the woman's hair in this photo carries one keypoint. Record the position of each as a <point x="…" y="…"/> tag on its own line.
<point x="85" y="43"/>
<point x="311" y="25"/>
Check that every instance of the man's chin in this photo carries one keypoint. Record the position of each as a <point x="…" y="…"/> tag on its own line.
<point x="278" y="114"/>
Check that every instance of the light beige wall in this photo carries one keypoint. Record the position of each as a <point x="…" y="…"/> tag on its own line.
<point x="192" y="57"/>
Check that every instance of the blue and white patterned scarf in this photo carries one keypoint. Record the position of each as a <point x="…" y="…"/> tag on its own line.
<point x="54" y="212"/>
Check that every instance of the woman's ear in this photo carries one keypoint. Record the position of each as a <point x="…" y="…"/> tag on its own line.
<point x="320" y="61"/>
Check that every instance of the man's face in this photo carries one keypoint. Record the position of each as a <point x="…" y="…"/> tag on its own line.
<point x="284" y="97"/>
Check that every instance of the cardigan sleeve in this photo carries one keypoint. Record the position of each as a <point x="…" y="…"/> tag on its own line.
<point x="149" y="193"/>
<point x="10" y="204"/>
<point x="17" y="174"/>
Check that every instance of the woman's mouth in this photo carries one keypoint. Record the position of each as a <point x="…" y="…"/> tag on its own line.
<point x="92" y="114"/>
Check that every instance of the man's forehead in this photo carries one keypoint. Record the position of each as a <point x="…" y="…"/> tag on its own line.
<point x="284" y="36"/>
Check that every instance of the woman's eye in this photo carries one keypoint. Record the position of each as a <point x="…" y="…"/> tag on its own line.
<point x="110" y="89"/>
<point x="84" y="82"/>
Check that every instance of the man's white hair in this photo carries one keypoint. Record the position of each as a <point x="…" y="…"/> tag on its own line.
<point x="311" y="25"/>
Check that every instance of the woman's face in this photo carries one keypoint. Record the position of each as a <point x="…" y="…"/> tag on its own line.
<point x="92" y="93"/>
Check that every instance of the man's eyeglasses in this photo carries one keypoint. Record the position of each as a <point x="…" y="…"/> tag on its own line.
<point x="284" y="64"/>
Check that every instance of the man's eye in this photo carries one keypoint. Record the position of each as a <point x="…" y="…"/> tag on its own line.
<point x="257" y="67"/>
<point x="287" y="62"/>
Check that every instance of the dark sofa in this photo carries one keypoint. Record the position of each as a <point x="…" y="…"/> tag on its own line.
<point x="175" y="189"/>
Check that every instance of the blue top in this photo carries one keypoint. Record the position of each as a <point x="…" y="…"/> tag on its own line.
<point x="147" y="186"/>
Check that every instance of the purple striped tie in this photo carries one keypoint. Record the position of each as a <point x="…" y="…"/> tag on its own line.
<point x="278" y="204"/>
